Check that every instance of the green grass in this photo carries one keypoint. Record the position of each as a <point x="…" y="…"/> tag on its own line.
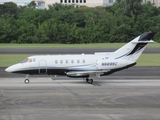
<point x="92" y="45"/>
<point x="144" y="60"/>
<point x="149" y="60"/>
<point x="10" y="59"/>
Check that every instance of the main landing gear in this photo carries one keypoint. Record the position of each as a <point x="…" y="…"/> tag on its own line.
<point x="26" y="80"/>
<point x="90" y="81"/>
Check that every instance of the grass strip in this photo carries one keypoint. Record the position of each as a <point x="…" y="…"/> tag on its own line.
<point x="149" y="60"/>
<point x="10" y="59"/>
<point x="91" y="45"/>
<point x="144" y="60"/>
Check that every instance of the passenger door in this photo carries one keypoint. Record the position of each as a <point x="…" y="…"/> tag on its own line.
<point x="42" y="67"/>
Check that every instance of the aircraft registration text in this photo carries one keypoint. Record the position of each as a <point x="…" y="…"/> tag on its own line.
<point x="109" y="64"/>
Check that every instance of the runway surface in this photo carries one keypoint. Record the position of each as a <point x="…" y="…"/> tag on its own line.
<point x="107" y="99"/>
<point x="131" y="94"/>
<point x="64" y="50"/>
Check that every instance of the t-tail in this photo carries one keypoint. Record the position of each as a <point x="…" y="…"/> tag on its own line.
<point x="132" y="50"/>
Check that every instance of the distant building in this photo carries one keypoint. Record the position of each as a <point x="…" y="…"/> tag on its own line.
<point x="155" y="2"/>
<point x="92" y="3"/>
<point x="40" y="4"/>
<point x="89" y="3"/>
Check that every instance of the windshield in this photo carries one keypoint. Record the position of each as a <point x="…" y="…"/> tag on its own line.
<point x="27" y="60"/>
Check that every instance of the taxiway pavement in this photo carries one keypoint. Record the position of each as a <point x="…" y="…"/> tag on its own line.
<point x="110" y="99"/>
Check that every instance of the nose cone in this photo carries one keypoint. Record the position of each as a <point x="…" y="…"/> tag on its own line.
<point x="13" y="68"/>
<point x="9" y="69"/>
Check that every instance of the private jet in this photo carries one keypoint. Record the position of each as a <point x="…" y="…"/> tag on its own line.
<point x="85" y="66"/>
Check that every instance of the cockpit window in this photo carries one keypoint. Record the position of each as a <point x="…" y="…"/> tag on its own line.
<point x="34" y="59"/>
<point x="25" y="60"/>
<point x="30" y="60"/>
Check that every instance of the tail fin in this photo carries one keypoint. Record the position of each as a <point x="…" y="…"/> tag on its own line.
<point x="132" y="50"/>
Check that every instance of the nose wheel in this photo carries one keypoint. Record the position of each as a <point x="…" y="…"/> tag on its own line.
<point x="26" y="81"/>
<point x="90" y="81"/>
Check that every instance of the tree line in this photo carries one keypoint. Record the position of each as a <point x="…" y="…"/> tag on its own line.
<point x="121" y="22"/>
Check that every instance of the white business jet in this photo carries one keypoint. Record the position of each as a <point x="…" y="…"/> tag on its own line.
<point x="84" y="65"/>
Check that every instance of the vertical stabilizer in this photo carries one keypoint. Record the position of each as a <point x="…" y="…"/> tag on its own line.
<point x="132" y="50"/>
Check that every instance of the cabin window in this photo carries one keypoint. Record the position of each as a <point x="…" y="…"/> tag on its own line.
<point x="66" y="61"/>
<point x="83" y="60"/>
<point x="72" y="61"/>
<point x="106" y="58"/>
<point x="56" y="61"/>
<point x="61" y="61"/>
<point x="78" y="61"/>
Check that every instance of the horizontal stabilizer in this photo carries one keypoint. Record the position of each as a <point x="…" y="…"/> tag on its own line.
<point x="146" y="36"/>
<point x="144" y="41"/>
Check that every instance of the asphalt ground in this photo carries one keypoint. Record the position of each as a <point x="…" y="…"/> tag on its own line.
<point x="110" y="99"/>
<point x="65" y="50"/>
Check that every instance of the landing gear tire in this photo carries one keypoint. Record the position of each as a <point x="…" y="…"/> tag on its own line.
<point x="26" y="81"/>
<point x="90" y="81"/>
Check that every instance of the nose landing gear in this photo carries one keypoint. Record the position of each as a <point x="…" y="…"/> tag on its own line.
<point x="26" y="80"/>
